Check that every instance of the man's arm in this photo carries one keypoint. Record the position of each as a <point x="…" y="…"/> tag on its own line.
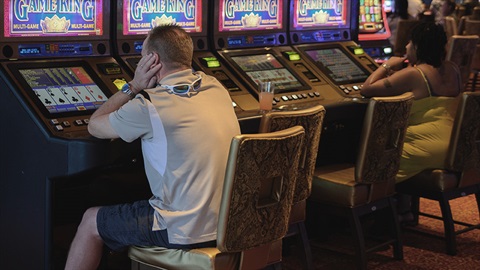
<point x="145" y="77"/>
<point x="99" y="125"/>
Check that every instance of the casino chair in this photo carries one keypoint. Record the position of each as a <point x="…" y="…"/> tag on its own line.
<point x="311" y="119"/>
<point x="353" y="191"/>
<point x="476" y="13"/>
<point x="404" y="32"/>
<point x="450" y="26"/>
<point x="460" y="177"/>
<point x="472" y="27"/>
<point x="254" y="212"/>
<point x="476" y="67"/>
<point x="461" y="25"/>
<point x="460" y="50"/>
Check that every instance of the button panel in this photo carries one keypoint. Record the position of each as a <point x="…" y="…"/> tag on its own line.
<point x="297" y="97"/>
<point x="350" y="89"/>
<point x="65" y="125"/>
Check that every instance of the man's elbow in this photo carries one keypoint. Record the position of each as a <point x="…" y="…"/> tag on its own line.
<point x="92" y="129"/>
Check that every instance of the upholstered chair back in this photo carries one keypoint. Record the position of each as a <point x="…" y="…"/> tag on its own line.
<point x="451" y="27"/>
<point x="460" y="50"/>
<point x="258" y="189"/>
<point x="472" y="27"/>
<point x="464" y="151"/>
<point x="381" y="143"/>
<point x="311" y="119"/>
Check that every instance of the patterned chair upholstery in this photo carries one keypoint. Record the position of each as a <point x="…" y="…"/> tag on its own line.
<point x="311" y="119"/>
<point x="460" y="50"/>
<point x="254" y="212"/>
<point x="354" y="190"/>
<point x="476" y="67"/>
<point x="472" y="27"/>
<point x="461" y="176"/>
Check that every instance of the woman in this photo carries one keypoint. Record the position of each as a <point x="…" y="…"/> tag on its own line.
<point x="434" y="83"/>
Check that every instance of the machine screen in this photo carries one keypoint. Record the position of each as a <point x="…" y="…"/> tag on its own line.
<point x="140" y="17"/>
<point x="265" y="67"/>
<point x="250" y="15"/>
<point x="49" y="18"/>
<point x="318" y="14"/>
<point x="337" y="65"/>
<point x="372" y="24"/>
<point x="62" y="91"/>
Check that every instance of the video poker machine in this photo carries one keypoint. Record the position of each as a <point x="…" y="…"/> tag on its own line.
<point x="56" y="69"/>
<point x="324" y="33"/>
<point x="373" y="29"/>
<point x="250" y="38"/>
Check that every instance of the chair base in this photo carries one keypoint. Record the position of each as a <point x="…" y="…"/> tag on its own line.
<point x="299" y="232"/>
<point x="355" y="214"/>
<point x="443" y="198"/>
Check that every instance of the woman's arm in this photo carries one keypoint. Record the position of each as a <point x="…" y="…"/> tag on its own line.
<point x="389" y="79"/>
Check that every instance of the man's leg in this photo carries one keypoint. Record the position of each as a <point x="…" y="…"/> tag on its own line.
<point x="87" y="246"/>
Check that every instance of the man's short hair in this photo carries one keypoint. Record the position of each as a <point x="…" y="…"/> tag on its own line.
<point x="173" y="45"/>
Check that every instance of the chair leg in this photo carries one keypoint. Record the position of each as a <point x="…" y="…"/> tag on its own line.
<point x="357" y="233"/>
<point x="277" y="266"/>
<point x="306" y="245"/>
<point x="398" y="245"/>
<point x="474" y="82"/>
<point x="477" y="196"/>
<point x="448" y="225"/>
<point x="415" y="209"/>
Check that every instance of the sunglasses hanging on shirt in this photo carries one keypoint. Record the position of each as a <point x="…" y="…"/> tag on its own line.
<point x="184" y="89"/>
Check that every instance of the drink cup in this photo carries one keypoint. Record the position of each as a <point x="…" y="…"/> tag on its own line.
<point x="266" y="91"/>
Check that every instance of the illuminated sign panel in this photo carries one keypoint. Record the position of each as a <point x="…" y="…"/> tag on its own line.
<point x="236" y="15"/>
<point x="317" y="13"/>
<point x="140" y="16"/>
<point x="27" y="18"/>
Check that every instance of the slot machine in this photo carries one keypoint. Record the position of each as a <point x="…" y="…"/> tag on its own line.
<point x="56" y="69"/>
<point x="324" y="35"/>
<point x="250" y="39"/>
<point x="373" y="29"/>
<point x="134" y="22"/>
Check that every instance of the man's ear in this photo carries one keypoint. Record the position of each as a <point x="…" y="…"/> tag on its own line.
<point x="157" y="60"/>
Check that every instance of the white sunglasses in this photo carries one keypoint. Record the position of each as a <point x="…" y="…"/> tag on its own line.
<point x="183" y="89"/>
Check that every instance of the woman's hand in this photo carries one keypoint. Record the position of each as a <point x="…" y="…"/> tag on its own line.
<point x="395" y="62"/>
<point x="145" y="73"/>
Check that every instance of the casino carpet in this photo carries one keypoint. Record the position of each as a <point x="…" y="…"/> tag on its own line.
<point x="420" y="252"/>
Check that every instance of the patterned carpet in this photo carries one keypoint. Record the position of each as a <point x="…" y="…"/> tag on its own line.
<point x="420" y="252"/>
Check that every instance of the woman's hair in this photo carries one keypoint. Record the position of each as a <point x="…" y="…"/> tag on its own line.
<point x="173" y="45"/>
<point x="429" y="40"/>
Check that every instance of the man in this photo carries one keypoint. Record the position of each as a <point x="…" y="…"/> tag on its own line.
<point x="186" y="129"/>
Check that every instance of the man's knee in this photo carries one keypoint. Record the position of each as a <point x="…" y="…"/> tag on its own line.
<point x="89" y="221"/>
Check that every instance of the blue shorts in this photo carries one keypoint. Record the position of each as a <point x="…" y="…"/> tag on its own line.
<point x="125" y="225"/>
